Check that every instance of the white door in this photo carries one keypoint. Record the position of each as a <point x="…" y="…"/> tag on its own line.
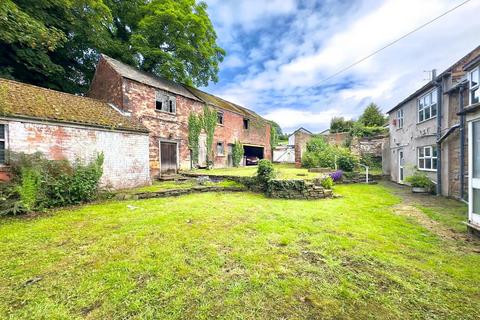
<point x="401" y="163"/>
<point x="474" y="172"/>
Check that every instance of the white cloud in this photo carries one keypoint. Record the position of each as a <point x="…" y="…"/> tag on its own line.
<point x="319" y="41"/>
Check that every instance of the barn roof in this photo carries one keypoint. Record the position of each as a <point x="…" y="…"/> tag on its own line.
<point x="135" y="74"/>
<point x="22" y="100"/>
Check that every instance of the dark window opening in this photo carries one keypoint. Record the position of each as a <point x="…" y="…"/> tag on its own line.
<point x="158" y="105"/>
<point x="170" y="106"/>
<point x="246" y="124"/>
<point x="252" y="155"/>
<point x="220" y="117"/>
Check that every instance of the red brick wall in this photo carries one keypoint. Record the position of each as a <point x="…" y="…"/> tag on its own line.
<point x="107" y="84"/>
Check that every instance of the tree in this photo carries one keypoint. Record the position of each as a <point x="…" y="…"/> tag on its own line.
<point x="56" y="43"/>
<point x="372" y="116"/>
<point x="277" y="128"/>
<point x="339" y="124"/>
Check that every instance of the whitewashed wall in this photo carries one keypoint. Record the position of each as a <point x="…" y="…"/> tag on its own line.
<point x="126" y="153"/>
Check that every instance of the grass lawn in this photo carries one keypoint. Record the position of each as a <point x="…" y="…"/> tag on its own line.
<point x="241" y="256"/>
<point x="284" y="171"/>
<point x="175" y="185"/>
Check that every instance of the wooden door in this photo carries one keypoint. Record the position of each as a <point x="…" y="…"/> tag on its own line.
<point x="168" y="157"/>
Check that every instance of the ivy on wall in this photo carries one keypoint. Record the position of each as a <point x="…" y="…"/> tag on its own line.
<point x="209" y="125"/>
<point x="237" y="153"/>
<point x="194" y="130"/>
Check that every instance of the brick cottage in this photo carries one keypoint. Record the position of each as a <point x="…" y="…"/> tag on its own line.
<point x="163" y="107"/>
<point x="137" y="120"/>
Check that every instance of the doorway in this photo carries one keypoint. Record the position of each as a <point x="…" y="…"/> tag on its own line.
<point x="168" y="158"/>
<point x="474" y="172"/>
<point x="401" y="164"/>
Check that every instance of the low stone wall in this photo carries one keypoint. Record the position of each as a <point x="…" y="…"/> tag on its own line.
<point x="297" y="189"/>
<point x="176" y="192"/>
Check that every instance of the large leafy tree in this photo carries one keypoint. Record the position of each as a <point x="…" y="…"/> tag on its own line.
<point x="55" y="43"/>
<point x="372" y="116"/>
<point x="339" y="124"/>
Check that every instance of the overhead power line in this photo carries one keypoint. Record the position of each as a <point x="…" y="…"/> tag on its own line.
<point x="395" y="41"/>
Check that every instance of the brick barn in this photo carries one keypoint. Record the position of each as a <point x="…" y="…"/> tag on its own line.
<point x="163" y="107"/>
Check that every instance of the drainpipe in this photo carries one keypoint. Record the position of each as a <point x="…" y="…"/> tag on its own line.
<point x="438" y="83"/>
<point x="462" y="146"/>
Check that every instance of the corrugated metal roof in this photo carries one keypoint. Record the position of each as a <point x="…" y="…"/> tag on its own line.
<point x="133" y="73"/>
<point x="193" y="93"/>
<point x="27" y="101"/>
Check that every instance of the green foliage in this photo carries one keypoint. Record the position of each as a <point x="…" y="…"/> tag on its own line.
<point x="265" y="173"/>
<point x="371" y="161"/>
<point x="360" y="130"/>
<point x="339" y="124"/>
<point x="420" y="180"/>
<point x="209" y="121"/>
<point x="194" y="129"/>
<point x="321" y="154"/>
<point x="39" y="183"/>
<point x="372" y="117"/>
<point x="29" y="187"/>
<point x="237" y="153"/>
<point x="273" y="137"/>
<point x="56" y="43"/>
<point x="327" y="182"/>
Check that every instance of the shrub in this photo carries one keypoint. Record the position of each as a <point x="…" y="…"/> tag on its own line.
<point x="346" y="161"/>
<point x="327" y="182"/>
<point x="237" y="153"/>
<point x="336" y="176"/>
<point x="321" y="154"/>
<point x="265" y="173"/>
<point x="39" y="183"/>
<point x="420" y="180"/>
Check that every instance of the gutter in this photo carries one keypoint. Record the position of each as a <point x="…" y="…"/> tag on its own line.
<point x="438" y="82"/>
<point x="448" y="133"/>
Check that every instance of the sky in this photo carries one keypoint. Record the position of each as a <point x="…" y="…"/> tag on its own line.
<point x="279" y="52"/>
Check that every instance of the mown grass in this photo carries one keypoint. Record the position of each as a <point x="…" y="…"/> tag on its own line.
<point x="235" y="256"/>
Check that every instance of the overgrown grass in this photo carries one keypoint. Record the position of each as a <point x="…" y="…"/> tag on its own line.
<point x="235" y="256"/>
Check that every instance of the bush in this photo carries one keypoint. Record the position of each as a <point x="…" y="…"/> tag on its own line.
<point x="321" y="154"/>
<point x="420" y="180"/>
<point x="327" y="182"/>
<point x="39" y="183"/>
<point x="360" y="130"/>
<point x="265" y="173"/>
<point x="336" y="176"/>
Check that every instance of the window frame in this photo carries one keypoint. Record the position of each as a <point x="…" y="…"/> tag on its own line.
<point x="169" y="102"/>
<point x="430" y="157"/>
<point x="223" y="148"/>
<point x="220" y="115"/>
<point x="473" y="88"/>
<point x="422" y="107"/>
<point x="246" y="123"/>
<point x="400" y="118"/>
<point x="5" y="142"/>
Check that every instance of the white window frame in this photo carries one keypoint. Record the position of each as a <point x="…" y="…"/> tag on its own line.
<point x="400" y="118"/>
<point x="422" y="107"/>
<point x="425" y="158"/>
<point x="5" y="141"/>
<point x="169" y="103"/>
<point x="473" y="88"/>
<point x="223" y="148"/>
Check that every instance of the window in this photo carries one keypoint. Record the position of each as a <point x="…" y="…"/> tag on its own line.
<point x="3" y="143"/>
<point x="220" y="149"/>
<point x="400" y="119"/>
<point x="427" y="158"/>
<point x="220" y="117"/>
<point x="246" y="123"/>
<point x="427" y="106"/>
<point x="474" y="86"/>
<point x="166" y="103"/>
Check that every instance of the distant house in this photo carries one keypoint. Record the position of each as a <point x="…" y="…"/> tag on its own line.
<point x="65" y="126"/>
<point x="301" y="130"/>
<point x="163" y="107"/>
<point x="427" y="134"/>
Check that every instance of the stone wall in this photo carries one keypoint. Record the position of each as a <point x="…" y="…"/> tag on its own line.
<point x="297" y="189"/>
<point x="126" y="153"/>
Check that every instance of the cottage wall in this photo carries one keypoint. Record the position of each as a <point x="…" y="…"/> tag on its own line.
<point x="126" y="153"/>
